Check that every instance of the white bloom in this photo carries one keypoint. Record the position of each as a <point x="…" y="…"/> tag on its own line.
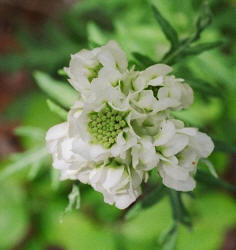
<point x="152" y="76"/>
<point x="86" y="67"/>
<point x="169" y="92"/>
<point x="180" y="150"/>
<point x="120" y="127"/>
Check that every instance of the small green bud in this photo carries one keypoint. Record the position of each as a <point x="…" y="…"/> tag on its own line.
<point x="117" y="126"/>
<point x="118" y="118"/>
<point x="122" y="123"/>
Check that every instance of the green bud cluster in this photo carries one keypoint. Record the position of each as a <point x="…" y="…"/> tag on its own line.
<point x="104" y="126"/>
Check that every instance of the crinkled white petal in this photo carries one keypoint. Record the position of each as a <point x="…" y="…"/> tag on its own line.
<point x="203" y="144"/>
<point x="90" y="152"/>
<point x="151" y="76"/>
<point x="179" y="185"/>
<point x="167" y="131"/>
<point x="175" y="145"/>
<point x="144" y="156"/>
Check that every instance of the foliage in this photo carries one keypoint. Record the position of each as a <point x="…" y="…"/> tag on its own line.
<point x="184" y="43"/>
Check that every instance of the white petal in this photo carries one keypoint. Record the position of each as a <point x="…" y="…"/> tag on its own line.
<point x="57" y="131"/>
<point x="184" y="186"/>
<point x="88" y="151"/>
<point x="113" y="177"/>
<point x="166" y="133"/>
<point x="188" y="131"/>
<point x="203" y="144"/>
<point x="175" y="145"/>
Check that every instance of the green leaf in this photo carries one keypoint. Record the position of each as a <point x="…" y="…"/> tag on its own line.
<point x="203" y="88"/>
<point x="224" y="146"/>
<point x="143" y="60"/>
<point x="210" y="166"/>
<point x="203" y="21"/>
<point x="57" y="109"/>
<point x="147" y="201"/>
<point x="34" y="170"/>
<point x="55" y="178"/>
<point x="166" y="27"/>
<point x="14" y="214"/>
<point x="179" y="211"/>
<point x="28" y="158"/>
<point x="198" y="49"/>
<point x="168" y="239"/>
<point x="209" y="180"/>
<point x="58" y="91"/>
<point x="33" y="132"/>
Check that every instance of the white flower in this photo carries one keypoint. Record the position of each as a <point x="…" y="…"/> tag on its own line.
<point x="174" y="93"/>
<point x="86" y="67"/>
<point x="152" y="76"/>
<point x="119" y="184"/>
<point x="120" y="127"/>
<point x="169" y="92"/>
<point x="179" y="150"/>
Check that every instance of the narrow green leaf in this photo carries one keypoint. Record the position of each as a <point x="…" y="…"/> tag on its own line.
<point x="151" y="199"/>
<point x="143" y="60"/>
<point x="212" y="182"/>
<point x="166" y="27"/>
<point x="203" y="21"/>
<point x="210" y="167"/>
<point x="33" y="132"/>
<point x="168" y="239"/>
<point x="180" y="213"/>
<point x="224" y="146"/>
<point x="55" y="178"/>
<point x="205" y="89"/>
<point x="198" y="49"/>
<point x="34" y="170"/>
<point x="57" y="109"/>
<point x="28" y="158"/>
<point x="58" y="91"/>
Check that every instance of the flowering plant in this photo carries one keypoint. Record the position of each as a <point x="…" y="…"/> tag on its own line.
<point x="127" y="127"/>
<point x="120" y="127"/>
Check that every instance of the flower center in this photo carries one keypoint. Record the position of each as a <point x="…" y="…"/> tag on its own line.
<point x="104" y="126"/>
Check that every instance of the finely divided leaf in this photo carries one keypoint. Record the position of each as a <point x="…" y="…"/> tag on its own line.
<point x="211" y="181"/>
<point x="224" y="146"/>
<point x="58" y="91"/>
<point x="144" y="61"/>
<point x="180" y="213"/>
<point x="57" y="109"/>
<point x="198" y="49"/>
<point x="167" y="29"/>
<point x="33" y="132"/>
<point x="151" y="199"/>
<point x="168" y="239"/>
<point x="25" y="159"/>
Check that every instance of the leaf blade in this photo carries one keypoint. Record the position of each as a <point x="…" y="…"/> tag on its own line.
<point x="57" y="109"/>
<point x="58" y="91"/>
<point x="167" y="28"/>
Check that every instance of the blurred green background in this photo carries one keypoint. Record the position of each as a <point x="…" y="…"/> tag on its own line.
<point x="41" y="35"/>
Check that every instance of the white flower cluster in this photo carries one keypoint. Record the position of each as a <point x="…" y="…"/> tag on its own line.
<point x="120" y="127"/>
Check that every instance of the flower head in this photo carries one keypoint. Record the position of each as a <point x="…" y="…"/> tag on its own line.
<point x="120" y="127"/>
